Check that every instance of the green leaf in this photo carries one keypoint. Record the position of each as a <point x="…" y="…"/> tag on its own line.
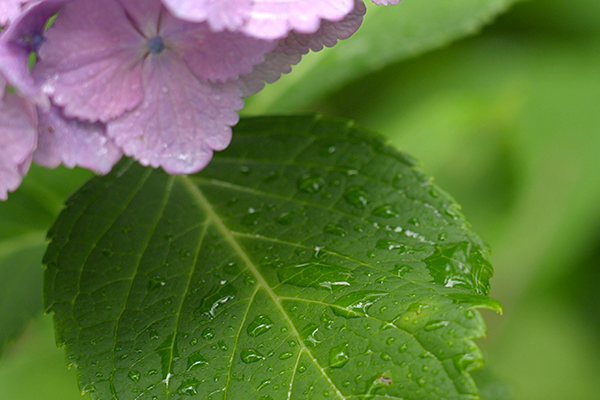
<point x="388" y="35"/>
<point x="26" y="217"/>
<point x="309" y="260"/>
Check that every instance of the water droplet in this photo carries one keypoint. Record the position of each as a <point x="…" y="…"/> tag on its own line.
<point x="302" y="368"/>
<point x="208" y="333"/>
<point x="308" y="334"/>
<point x="357" y="197"/>
<point x="286" y="355"/>
<point x="390" y="340"/>
<point x="469" y="314"/>
<point x="263" y="384"/>
<point x="468" y="362"/>
<point x="285" y="218"/>
<point x="442" y="236"/>
<point x="315" y="274"/>
<point x="403" y="348"/>
<point x="251" y="217"/>
<point x="390" y="245"/>
<point x="386" y="357"/>
<point x="188" y="387"/>
<point x="335" y="229"/>
<point x="134" y="375"/>
<point x="222" y="345"/>
<point x="244" y="169"/>
<point x="156" y="282"/>
<point x="218" y="296"/>
<point x="338" y="356"/>
<point x="433" y="325"/>
<point x="196" y="360"/>
<point x="413" y="221"/>
<point x="310" y="183"/>
<point x="385" y="211"/>
<point x="251" y="356"/>
<point x="402" y="270"/>
<point x="355" y="304"/>
<point x="261" y="324"/>
<point x="421" y="382"/>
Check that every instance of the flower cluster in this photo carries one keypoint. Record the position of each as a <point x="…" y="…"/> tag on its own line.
<point x="83" y="82"/>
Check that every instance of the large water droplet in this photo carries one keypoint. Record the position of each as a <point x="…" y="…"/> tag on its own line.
<point x="433" y="325"/>
<point x="357" y="197"/>
<point x="338" y="356"/>
<point x="390" y="245"/>
<point x="208" y="333"/>
<point x="355" y="304"/>
<point x="315" y="274"/>
<point x="134" y="375"/>
<point x="308" y="334"/>
<point x="386" y="211"/>
<point x="310" y="183"/>
<point x="286" y="355"/>
<point x="261" y="324"/>
<point x="189" y="387"/>
<point x="250" y="356"/>
<point x="196" y="360"/>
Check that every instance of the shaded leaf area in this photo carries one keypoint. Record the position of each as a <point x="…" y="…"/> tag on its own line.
<point x="309" y="260"/>
<point x="388" y="35"/>
<point x="26" y="217"/>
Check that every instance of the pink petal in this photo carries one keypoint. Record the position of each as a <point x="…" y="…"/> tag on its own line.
<point x="17" y="43"/>
<point x="273" y="19"/>
<point x="269" y="71"/>
<point x="263" y="19"/>
<point x="216" y="56"/>
<point x="290" y="50"/>
<point x="219" y="14"/>
<point x="386" y="2"/>
<point x="17" y="141"/>
<point x="74" y="143"/>
<point x="90" y="62"/>
<point x="181" y="120"/>
<point x="9" y="10"/>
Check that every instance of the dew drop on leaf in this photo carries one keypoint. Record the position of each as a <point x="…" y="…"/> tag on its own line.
<point x="338" y="356"/>
<point x="134" y="375"/>
<point x="385" y="211"/>
<point x="310" y="183"/>
<point x="260" y="325"/>
<point x="208" y="333"/>
<point x="433" y="325"/>
<point x="286" y="355"/>
<point x="357" y="197"/>
<point x="250" y="356"/>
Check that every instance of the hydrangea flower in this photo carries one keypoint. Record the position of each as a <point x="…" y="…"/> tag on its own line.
<point x="158" y="80"/>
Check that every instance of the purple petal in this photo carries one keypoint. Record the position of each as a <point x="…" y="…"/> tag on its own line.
<point x="22" y="37"/>
<point x="263" y="19"/>
<point x="17" y="141"/>
<point x="273" y="19"/>
<point x="9" y="10"/>
<point x="90" y="61"/>
<point x="219" y="14"/>
<point x="386" y="2"/>
<point x="73" y="143"/>
<point x="216" y="56"/>
<point x="181" y="120"/>
<point x="289" y="50"/>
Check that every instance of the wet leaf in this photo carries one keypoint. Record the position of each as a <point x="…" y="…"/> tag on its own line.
<point x="191" y="286"/>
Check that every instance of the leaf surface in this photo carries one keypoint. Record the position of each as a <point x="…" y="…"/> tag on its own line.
<point x="309" y="260"/>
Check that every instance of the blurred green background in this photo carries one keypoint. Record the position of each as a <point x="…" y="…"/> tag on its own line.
<point x="508" y="122"/>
